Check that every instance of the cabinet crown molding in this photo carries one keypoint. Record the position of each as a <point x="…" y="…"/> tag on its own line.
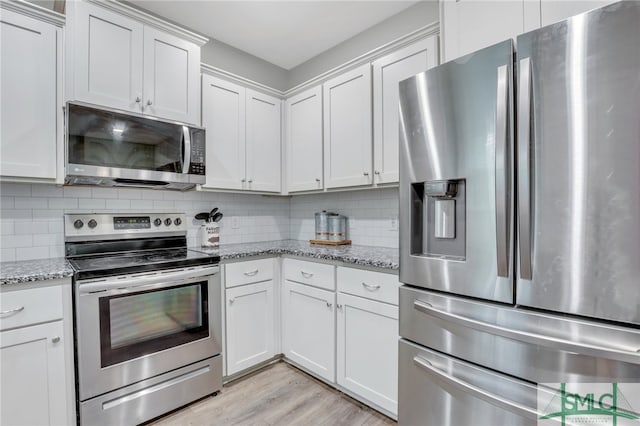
<point x="150" y="20"/>
<point x="34" y="11"/>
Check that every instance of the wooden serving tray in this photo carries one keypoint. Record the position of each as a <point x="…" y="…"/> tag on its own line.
<point x="331" y="243"/>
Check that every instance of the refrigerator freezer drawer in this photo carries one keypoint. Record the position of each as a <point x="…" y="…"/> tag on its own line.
<point x="437" y="390"/>
<point x="537" y="347"/>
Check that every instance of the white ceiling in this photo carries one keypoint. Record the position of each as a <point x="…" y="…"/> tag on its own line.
<point x="285" y="33"/>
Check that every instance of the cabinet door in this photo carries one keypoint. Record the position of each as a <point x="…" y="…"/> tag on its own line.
<point x="347" y="129"/>
<point x="108" y="58"/>
<point x="308" y="322"/>
<point x="263" y="142"/>
<point x="33" y="375"/>
<point x="469" y="25"/>
<point x="552" y="11"/>
<point x="304" y="140"/>
<point x="388" y="71"/>
<point x="223" y="116"/>
<point x="367" y="343"/>
<point x="250" y="325"/>
<point x="171" y="77"/>
<point x="28" y="96"/>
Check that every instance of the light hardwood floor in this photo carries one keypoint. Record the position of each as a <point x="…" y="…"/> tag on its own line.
<point x="277" y="395"/>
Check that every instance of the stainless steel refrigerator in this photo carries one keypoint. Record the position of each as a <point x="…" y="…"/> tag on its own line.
<point x="520" y="222"/>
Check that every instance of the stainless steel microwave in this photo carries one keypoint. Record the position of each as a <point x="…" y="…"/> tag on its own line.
<point x="108" y="147"/>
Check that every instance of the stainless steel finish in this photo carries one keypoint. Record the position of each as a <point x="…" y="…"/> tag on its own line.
<point x="251" y="273"/>
<point x="585" y="148"/>
<point x="12" y="311"/>
<point x="631" y="355"/>
<point x="322" y="225"/>
<point x="148" y="281"/>
<point x="524" y="168"/>
<point x="448" y="133"/>
<point x="55" y="339"/>
<point x="502" y="170"/>
<point x="104" y="229"/>
<point x="96" y="380"/>
<point x="371" y="287"/>
<point x="440" y="376"/>
<point x="306" y="274"/>
<point x="83" y="174"/>
<point x="186" y="160"/>
<point x="445" y="218"/>
<point x="442" y="189"/>
<point x="438" y="390"/>
<point x="337" y="227"/>
<point x="150" y="398"/>
<point x="537" y="347"/>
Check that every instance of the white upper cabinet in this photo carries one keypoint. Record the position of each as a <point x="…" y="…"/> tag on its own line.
<point x="30" y="72"/>
<point x="388" y="71"/>
<point x="469" y="25"/>
<point x="556" y="10"/>
<point x="304" y="140"/>
<point x="347" y="129"/>
<point x="171" y="77"/>
<point x="243" y="137"/>
<point x="223" y="116"/>
<point x="118" y="61"/>
<point x="108" y="58"/>
<point x="263" y="142"/>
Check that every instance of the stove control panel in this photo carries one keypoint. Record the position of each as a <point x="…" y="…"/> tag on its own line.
<point x="94" y="225"/>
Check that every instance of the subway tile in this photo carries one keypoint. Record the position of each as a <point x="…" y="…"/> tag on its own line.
<point x="7" y="203"/>
<point x="63" y="203"/>
<point x="7" y="227"/>
<point x="104" y="192"/>
<point x="43" y="190"/>
<point x="14" y="241"/>
<point x="77" y="192"/>
<point x="118" y="204"/>
<point x="56" y="251"/>
<point x="7" y="254"/>
<point x="30" y="253"/>
<point x="15" y="189"/>
<point x="91" y="204"/>
<point x="130" y="193"/>
<point x="56" y="226"/>
<point x="166" y="206"/>
<point x="48" y="214"/>
<point x="47" y="239"/>
<point x="31" y="203"/>
<point x="31" y="227"/>
<point x="17" y="214"/>
<point x="140" y="205"/>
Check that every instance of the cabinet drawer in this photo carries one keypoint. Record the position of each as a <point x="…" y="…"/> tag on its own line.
<point x="32" y="306"/>
<point x="252" y="271"/>
<point x="315" y="274"/>
<point x="372" y="285"/>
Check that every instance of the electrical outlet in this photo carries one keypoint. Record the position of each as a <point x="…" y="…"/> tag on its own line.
<point x="235" y="222"/>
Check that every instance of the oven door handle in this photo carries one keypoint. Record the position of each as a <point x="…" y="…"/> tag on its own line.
<point x="168" y="279"/>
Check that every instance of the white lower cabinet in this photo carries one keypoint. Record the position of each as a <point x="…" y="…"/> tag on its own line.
<point x="308" y="328"/>
<point x="367" y="350"/>
<point x="250" y="325"/>
<point x="36" y="356"/>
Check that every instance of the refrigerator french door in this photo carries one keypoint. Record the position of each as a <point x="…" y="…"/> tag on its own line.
<point x="564" y="168"/>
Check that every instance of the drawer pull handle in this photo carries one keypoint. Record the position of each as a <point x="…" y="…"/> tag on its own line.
<point x="251" y="273"/>
<point x="12" y="311"/>
<point x="371" y="287"/>
<point x="306" y="274"/>
<point x="232" y="300"/>
<point x="329" y="305"/>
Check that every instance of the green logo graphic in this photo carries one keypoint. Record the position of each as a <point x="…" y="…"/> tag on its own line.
<point x="594" y="406"/>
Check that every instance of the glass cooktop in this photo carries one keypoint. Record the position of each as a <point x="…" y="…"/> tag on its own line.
<point x="93" y="266"/>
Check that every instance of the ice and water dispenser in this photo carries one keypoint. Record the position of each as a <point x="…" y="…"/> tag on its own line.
<point x="438" y="219"/>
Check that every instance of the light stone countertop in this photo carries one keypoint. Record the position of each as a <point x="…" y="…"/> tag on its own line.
<point x="376" y="257"/>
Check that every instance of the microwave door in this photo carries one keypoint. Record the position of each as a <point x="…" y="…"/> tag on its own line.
<point x="456" y="214"/>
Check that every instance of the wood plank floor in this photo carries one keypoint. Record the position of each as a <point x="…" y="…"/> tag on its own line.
<point x="277" y="395"/>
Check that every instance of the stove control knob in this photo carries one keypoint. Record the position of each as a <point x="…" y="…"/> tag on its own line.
<point x="157" y="222"/>
<point x="78" y="224"/>
<point x="92" y="223"/>
<point x="177" y="221"/>
<point x="167" y="221"/>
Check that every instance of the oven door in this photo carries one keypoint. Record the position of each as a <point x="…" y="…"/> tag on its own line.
<point x="131" y="328"/>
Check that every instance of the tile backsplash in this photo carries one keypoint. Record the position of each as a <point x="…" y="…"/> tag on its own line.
<point x="31" y="225"/>
<point x="373" y="215"/>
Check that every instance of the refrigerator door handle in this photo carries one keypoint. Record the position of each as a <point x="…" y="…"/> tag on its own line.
<point x="491" y="398"/>
<point x="524" y="173"/>
<point x="631" y="355"/>
<point x="502" y="172"/>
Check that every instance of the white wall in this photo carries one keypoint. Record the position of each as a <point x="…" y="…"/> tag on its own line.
<point x="31" y="225"/>
<point x="410" y="19"/>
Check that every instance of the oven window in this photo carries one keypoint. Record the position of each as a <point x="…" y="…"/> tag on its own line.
<point x="137" y="324"/>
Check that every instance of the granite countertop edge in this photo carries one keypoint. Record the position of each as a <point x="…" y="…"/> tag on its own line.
<point x="16" y="272"/>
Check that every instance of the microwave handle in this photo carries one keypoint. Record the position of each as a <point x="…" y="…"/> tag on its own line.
<point x="186" y="153"/>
